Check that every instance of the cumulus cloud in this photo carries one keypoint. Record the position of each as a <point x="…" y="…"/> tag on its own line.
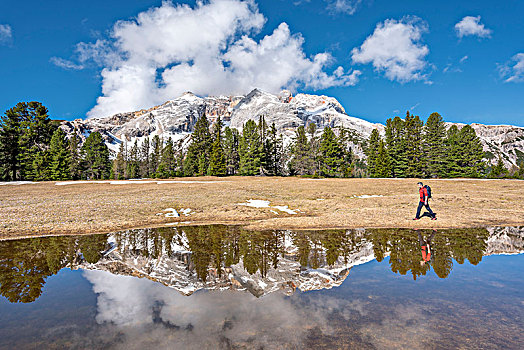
<point x="6" y="33"/>
<point x="470" y="25"/>
<point x="514" y="70"/>
<point x="395" y="48"/>
<point x="343" y="6"/>
<point x="207" y="49"/>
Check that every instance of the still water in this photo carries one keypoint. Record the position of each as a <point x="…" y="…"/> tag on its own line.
<point x="225" y="287"/>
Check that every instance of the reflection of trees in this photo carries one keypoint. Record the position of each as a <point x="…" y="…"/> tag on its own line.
<point x="25" y="264"/>
<point x="404" y="249"/>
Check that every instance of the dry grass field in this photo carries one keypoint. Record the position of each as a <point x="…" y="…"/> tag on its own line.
<point x="48" y="209"/>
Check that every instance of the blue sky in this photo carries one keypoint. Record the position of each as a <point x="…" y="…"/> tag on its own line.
<point x="394" y="55"/>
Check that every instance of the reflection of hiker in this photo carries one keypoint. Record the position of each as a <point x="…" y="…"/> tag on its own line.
<point x="425" y="248"/>
<point x="424" y="197"/>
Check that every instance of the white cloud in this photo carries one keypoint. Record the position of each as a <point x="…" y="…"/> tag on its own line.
<point x="395" y="48"/>
<point x="463" y="59"/>
<point x="470" y="25"/>
<point x="343" y="6"/>
<point x="65" y="64"/>
<point x="207" y="49"/>
<point x="513" y="71"/>
<point x="6" y="33"/>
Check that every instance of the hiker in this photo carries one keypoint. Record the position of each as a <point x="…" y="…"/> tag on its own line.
<point x="424" y="197"/>
<point x="425" y="248"/>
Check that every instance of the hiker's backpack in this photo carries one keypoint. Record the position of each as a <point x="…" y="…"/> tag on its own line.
<point x="428" y="189"/>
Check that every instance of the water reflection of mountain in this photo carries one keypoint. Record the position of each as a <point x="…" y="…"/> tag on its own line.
<point x="220" y="257"/>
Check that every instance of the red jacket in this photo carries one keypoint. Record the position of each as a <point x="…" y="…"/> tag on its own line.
<point x="426" y="256"/>
<point x="423" y="194"/>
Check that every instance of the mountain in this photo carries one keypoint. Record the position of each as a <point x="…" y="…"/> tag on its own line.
<point x="176" y="119"/>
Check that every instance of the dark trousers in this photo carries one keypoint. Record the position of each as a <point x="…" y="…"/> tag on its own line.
<point x="422" y="204"/>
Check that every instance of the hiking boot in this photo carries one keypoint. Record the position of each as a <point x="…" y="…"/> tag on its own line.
<point x="434" y="218"/>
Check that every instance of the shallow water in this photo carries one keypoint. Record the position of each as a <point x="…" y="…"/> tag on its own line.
<point x="224" y="287"/>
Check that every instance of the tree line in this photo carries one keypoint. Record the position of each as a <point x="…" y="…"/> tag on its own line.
<point x="411" y="148"/>
<point x="34" y="147"/>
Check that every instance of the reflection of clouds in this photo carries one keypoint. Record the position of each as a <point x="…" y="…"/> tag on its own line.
<point x="203" y="319"/>
<point x="140" y="313"/>
<point x="407" y="327"/>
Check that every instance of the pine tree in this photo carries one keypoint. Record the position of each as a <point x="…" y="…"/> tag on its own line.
<point x="197" y="158"/>
<point x="274" y="152"/>
<point x="10" y="132"/>
<point x="453" y="150"/>
<point x="464" y="152"/>
<point x="498" y="170"/>
<point x="166" y="168"/>
<point x="414" y="146"/>
<point x="473" y="153"/>
<point x="396" y="146"/>
<point x="434" y="146"/>
<point x="37" y="130"/>
<point x="249" y="149"/>
<point x="346" y="141"/>
<point x="331" y="154"/>
<point x="302" y="161"/>
<point x="95" y="155"/>
<point x="231" y="141"/>
<point x="372" y="152"/>
<point x="156" y="147"/>
<point x="383" y="162"/>
<point x="60" y="156"/>
<point x="40" y="166"/>
<point x="145" y="158"/>
<point x="119" y="163"/>
<point x="263" y="146"/>
<point x="133" y="162"/>
<point x="217" y="160"/>
<point x="75" y="162"/>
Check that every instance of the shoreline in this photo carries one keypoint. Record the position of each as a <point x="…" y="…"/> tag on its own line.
<point x="79" y="208"/>
<point x="246" y="227"/>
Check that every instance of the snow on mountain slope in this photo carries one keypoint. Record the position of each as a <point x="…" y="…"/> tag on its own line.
<point x="176" y="119"/>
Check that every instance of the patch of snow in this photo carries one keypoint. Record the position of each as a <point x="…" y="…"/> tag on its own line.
<point x="186" y="211"/>
<point x="368" y="196"/>
<point x="321" y="199"/>
<point x="132" y="181"/>
<point x="256" y="203"/>
<point x="274" y="212"/>
<point x="285" y="209"/>
<point x="173" y="213"/>
<point x="16" y="183"/>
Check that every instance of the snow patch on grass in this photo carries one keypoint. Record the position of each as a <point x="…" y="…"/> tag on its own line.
<point x="173" y="213"/>
<point x="135" y="182"/>
<point x="186" y="211"/>
<point x="285" y="209"/>
<point x="16" y="183"/>
<point x="259" y="203"/>
<point x="368" y="196"/>
<point x="256" y="203"/>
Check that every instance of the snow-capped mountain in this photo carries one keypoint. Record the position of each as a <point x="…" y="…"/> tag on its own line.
<point x="176" y="119"/>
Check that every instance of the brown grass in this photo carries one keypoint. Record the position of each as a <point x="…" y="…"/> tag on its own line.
<point x="43" y="208"/>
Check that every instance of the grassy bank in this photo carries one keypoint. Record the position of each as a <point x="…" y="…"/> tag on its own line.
<point x="48" y="208"/>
